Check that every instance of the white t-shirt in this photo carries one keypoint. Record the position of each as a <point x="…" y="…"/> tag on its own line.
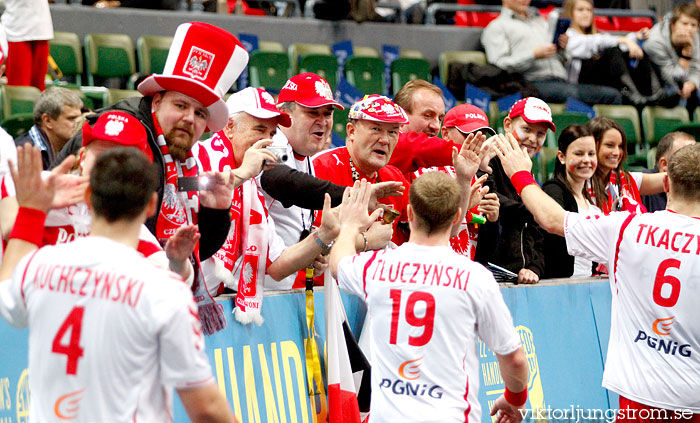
<point x="427" y="305"/>
<point x="291" y="221"/>
<point x="653" y="353"/>
<point x="111" y="331"/>
<point x="27" y="20"/>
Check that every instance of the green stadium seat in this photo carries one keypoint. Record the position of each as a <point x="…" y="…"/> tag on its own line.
<point x="366" y="74"/>
<point x="690" y="128"/>
<point x="268" y="69"/>
<point x="117" y="95"/>
<point x="298" y="50"/>
<point x="109" y="56"/>
<point x="18" y="123"/>
<point x="152" y="51"/>
<point x="340" y="121"/>
<point x="411" y="53"/>
<point x="563" y="119"/>
<point x="67" y="53"/>
<point x="16" y="99"/>
<point x="271" y="46"/>
<point x="324" y="65"/>
<point x="99" y="96"/>
<point x="626" y="116"/>
<point x="658" y="121"/>
<point x="406" y="69"/>
<point x="458" y="56"/>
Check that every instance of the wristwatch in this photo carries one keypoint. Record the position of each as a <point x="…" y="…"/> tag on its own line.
<point x="325" y="248"/>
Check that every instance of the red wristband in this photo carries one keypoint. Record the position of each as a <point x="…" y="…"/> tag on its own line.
<point x="516" y="399"/>
<point x="29" y="226"/>
<point x="522" y="179"/>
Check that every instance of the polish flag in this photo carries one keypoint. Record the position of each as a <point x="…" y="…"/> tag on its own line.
<point x="342" y="398"/>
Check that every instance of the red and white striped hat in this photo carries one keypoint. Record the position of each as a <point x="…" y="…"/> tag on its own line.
<point x="203" y="62"/>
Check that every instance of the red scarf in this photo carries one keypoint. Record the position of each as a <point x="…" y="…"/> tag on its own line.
<point x="178" y="209"/>
<point x="622" y="196"/>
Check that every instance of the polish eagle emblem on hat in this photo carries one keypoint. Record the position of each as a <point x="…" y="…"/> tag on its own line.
<point x="198" y="63"/>
<point x="114" y="127"/>
<point x="323" y="89"/>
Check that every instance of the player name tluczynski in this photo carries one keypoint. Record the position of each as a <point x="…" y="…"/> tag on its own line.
<point x="421" y="273"/>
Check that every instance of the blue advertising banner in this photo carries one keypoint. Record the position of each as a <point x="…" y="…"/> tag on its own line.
<point x="477" y="97"/>
<point x="346" y="94"/>
<point x="250" y="43"/>
<point x="447" y="96"/>
<point x="389" y="54"/>
<point x="506" y="102"/>
<point x="573" y="105"/>
<point x="262" y="370"/>
<point x="342" y="50"/>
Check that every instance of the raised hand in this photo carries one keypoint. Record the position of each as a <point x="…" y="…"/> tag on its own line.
<point x="219" y="190"/>
<point x="382" y="190"/>
<point x="33" y="191"/>
<point x="353" y="211"/>
<point x="254" y="160"/>
<point x="466" y="162"/>
<point x="513" y="157"/>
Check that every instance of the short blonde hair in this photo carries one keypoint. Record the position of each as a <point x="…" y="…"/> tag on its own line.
<point x="434" y="198"/>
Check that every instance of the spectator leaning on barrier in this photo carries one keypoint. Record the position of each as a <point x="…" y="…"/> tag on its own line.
<point x="515" y="243"/>
<point x="520" y="40"/>
<point x="673" y="47"/>
<point x="253" y="249"/>
<point x="56" y="112"/>
<point x="652" y="360"/>
<point x="113" y="364"/>
<point x="461" y="121"/>
<point x="668" y="145"/>
<point x="444" y="355"/>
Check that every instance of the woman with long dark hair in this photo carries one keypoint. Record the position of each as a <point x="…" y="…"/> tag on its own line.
<point x="576" y="163"/>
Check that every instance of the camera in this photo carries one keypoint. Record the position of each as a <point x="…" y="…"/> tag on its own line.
<point x="193" y="183"/>
<point x="280" y="152"/>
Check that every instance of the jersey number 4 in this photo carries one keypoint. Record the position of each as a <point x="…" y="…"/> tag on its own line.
<point x="72" y="350"/>
<point x="425" y="321"/>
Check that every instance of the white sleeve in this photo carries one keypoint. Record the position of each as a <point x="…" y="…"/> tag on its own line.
<point x="351" y="272"/>
<point x="8" y="151"/>
<point x="637" y="176"/>
<point x="183" y="360"/>
<point x="13" y="307"/>
<point x="495" y="324"/>
<point x="585" y="46"/>
<point x="593" y="237"/>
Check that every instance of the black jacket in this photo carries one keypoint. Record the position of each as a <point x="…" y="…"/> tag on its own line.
<point x="213" y="224"/>
<point x="515" y="241"/>
<point x="46" y="155"/>
<point x="558" y="262"/>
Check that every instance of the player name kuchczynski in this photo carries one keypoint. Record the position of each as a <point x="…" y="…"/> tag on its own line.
<point x="421" y="273"/>
<point x="85" y="282"/>
<point x="676" y="241"/>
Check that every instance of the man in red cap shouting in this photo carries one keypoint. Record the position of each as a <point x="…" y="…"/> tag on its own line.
<point x="202" y="64"/>
<point x="519" y="246"/>
<point x="253" y="249"/>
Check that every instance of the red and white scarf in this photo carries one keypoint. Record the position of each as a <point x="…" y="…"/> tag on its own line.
<point x="178" y="209"/>
<point x="244" y="255"/>
<point x="622" y="196"/>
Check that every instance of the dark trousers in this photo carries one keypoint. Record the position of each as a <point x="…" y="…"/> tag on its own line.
<point x="557" y="91"/>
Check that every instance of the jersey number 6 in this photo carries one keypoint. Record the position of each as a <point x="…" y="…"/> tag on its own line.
<point x="663" y="279"/>
<point x="72" y="350"/>
<point x="426" y="320"/>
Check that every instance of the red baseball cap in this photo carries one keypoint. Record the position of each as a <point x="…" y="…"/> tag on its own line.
<point x="309" y="90"/>
<point x="379" y="109"/>
<point x="120" y="128"/>
<point x="468" y="118"/>
<point x="533" y="110"/>
<point x="259" y="103"/>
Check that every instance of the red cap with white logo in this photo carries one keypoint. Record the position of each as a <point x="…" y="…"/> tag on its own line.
<point x="120" y="128"/>
<point x="379" y="109"/>
<point x="259" y="103"/>
<point x="203" y="62"/>
<point x="308" y="89"/>
<point x="468" y="118"/>
<point x="533" y="110"/>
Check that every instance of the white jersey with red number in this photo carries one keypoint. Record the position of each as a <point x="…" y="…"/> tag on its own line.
<point x="654" y="262"/>
<point x="426" y="307"/>
<point x="111" y="332"/>
<point x="465" y="241"/>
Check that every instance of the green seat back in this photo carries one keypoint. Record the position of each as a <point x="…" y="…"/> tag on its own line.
<point x="67" y="53"/>
<point x="459" y="56"/>
<point x="324" y="65"/>
<point x="366" y="74"/>
<point x="109" y="56"/>
<point x="152" y="51"/>
<point x="117" y="95"/>
<point x="406" y="69"/>
<point x="18" y="99"/>
<point x="269" y="70"/>
<point x="298" y="50"/>
<point x="18" y="124"/>
<point x="340" y="120"/>
<point x="658" y="121"/>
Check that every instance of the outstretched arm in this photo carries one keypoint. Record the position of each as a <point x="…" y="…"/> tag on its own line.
<point x="547" y="212"/>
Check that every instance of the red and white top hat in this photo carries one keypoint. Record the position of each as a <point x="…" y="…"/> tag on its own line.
<point x="468" y="118"/>
<point x="120" y="128"/>
<point x="259" y="103"/>
<point x="308" y="89"/>
<point x="533" y="110"/>
<point x="203" y="62"/>
<point x="379" y="109"/>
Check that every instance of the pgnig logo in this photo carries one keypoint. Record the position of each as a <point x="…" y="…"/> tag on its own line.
<point x="662" y="327"/>
<point x="409" y="371"/>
